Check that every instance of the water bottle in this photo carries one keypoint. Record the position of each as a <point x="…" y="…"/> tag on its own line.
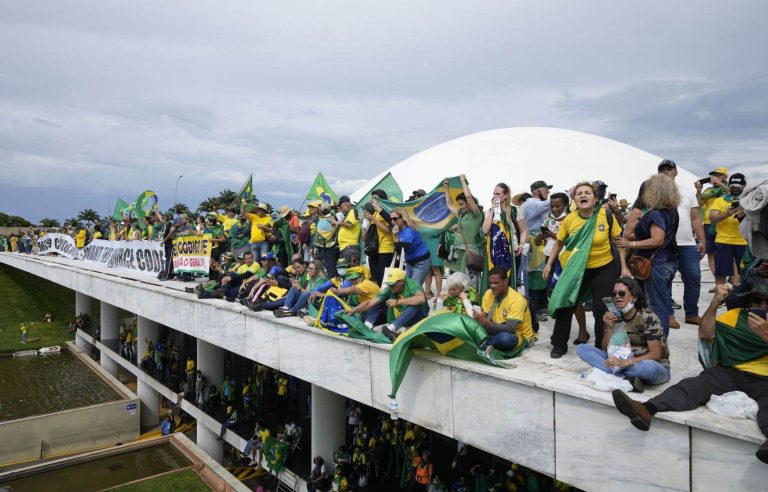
<point x="393" y="406"/>
<point x="619" y="345"/>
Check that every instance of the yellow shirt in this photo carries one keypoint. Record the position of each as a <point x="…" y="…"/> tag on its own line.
<point x="80" y="239"/>
<point x="386" y="239"/>
<point x="368" y="290"/>
<point x="190" y="365"/>
<point x="227" y="222"/>
<point x="263" y="434"/>
<point x="513" y="306"/>
<point x="257" y="235"/>
<point x="600" y="253"/>
<point x="282" y="386"/>
<point x="254" y="268"/>
<point x="97" y="235"/>
<point x="727" y="230"/>
<point x="349" y="236"/>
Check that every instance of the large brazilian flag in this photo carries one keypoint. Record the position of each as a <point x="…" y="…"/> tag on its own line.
<point x="429" y="212"/>
<point x="449" y="333"/>
<point x="333" y="318"/>
<point x="321" y="190"/>
<point x="390" y="187"/>
<point x="275" y="453"/>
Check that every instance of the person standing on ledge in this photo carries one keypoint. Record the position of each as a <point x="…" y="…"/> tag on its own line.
<point x="739" y="340"/>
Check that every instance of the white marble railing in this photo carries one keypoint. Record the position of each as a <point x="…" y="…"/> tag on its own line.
<point x="536" y="415"/>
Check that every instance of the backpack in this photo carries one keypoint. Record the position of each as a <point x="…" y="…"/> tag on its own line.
<point x="371" y="241"/>
<point x="305" y="232"/>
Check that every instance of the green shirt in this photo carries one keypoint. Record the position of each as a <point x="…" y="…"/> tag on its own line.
<point x="410" y="288"/>
<point x="239" y="242"/>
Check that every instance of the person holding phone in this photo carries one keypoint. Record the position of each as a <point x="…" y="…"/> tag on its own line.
<point x="718" y="178"/>
<point x="738" y="362"/>
<point x="650" y="361"/>
<point x="726" y="214"/>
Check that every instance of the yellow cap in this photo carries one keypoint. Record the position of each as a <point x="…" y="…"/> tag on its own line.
<point x="719" y="170"/>
<point x="315" y="203"/>
<point x="394" y="275"/>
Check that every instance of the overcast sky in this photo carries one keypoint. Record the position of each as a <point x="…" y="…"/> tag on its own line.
<point x="106" y="99"/>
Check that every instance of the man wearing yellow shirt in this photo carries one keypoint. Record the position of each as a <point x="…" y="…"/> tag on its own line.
<point x="739" y="340"/>
<point x="379" y="218"/>
<point x="726" y="214"/>
<point x="349" y="225"/>
<point x="719" y="182"/>
<point x="505" y="314"/>
<point x="365" y="290"/>
<point x="261" y="226"/>
<point x="80" y="238"/>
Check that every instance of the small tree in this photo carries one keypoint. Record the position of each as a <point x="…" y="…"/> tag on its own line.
<point x="89" y="216"/>
<point x="50" y="223"/>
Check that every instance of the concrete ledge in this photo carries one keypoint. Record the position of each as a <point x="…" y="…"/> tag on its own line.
<point x="542" y="417"/>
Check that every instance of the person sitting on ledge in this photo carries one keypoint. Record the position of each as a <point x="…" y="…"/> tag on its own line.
<point x="650" y="361"/>
<point x="505" y="314"/>
<point x="230" y="419"/>
<point x="740" y="347"/>
<point x="400" y="292"/>
<point x="365" y="290"/>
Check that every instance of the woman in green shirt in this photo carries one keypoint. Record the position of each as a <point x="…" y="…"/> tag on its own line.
<point x="467" y="233"/>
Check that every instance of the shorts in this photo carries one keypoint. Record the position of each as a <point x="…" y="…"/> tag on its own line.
<point x="725" y="256"/>
<point x="709" y="235"/>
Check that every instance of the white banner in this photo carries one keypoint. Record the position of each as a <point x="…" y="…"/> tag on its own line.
<point x="144" y="257"/>
<point x="58" y="243"/>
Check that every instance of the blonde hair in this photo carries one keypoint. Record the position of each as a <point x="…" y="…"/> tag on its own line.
<point x="661" y="193"/>
<point x="406" y="218"/>
<point x="590" y="184"/>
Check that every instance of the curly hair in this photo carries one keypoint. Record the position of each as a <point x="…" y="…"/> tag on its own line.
<point x="661" y="193"/>
<point x="572" y="191"/>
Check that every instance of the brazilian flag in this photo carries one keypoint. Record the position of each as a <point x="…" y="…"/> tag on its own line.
<point x="275" y="453"/>
<point x="574" y="259"/>
<point x="430" y="213"/>
<point x="735" y="342"/>
<point x="246" y="192"/>
<point x="451" y="334"/>
<point x="321" y="190"/>
<point x="120" y="207"/>
<point x="325" y="316"/>
<point x="390" y="187"/>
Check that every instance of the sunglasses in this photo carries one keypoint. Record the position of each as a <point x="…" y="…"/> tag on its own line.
<point x="619" y="293"/>
<point x="395" y="217"/>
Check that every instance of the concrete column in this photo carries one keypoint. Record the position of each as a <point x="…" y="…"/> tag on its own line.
<point x="146" y="330"/>
<point x="208" y="442"/>
<point x="328" y="423"/>
<point x="82" y="304"/>
<point x="150" y="404"/>
<point x="210" y="360"/>
<point x="110" y="330"/>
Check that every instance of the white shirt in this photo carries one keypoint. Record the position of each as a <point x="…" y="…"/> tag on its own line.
<point x="684" y="228"/>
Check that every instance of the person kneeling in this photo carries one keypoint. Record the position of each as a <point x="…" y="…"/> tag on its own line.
<point x="740" y="347"/>
<point x="505" y="314"/>
<point x="405" y="301"/>
<point x="650" y="354"/>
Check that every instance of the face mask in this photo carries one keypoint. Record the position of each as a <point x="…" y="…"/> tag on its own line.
<point x="627" y="308"/>
<point x="341" y="272"/>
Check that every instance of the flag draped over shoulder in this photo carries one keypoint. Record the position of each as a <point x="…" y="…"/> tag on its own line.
<point x="735" y="342"/>
<point x="120" y="206"/>
<point x="577" y="246"/>
<point x="498" y="251"/>
<point x="449" y="333"/>
<point x="430" y="213"/>
<point x="321" y="190"/>
<point x="275" y="454"/>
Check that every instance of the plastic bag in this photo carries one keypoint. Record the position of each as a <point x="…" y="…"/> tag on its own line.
<point x="734" y="404"/>
<point x="618" y="345"/>
<point x="602" y="381"/>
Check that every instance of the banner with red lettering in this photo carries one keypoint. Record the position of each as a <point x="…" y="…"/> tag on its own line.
<point x="192" y="254"/>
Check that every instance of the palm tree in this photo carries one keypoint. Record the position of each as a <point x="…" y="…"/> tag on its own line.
<point x="88" y="216"/>
<point x="208" y="204"/>
<point x="227" y="198"/>
<point x="50" y="223"/>
<point x="73" y="222"/>
<point x="179" y="208"/>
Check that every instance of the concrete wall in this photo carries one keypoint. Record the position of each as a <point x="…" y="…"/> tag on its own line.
<point x="79" y="429"/>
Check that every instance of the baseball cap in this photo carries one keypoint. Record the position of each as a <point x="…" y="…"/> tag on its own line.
<point x="419" y="192"/>
<point x="315" y="203"/>
<point x="600" y="184"/>
<point x="540" y="184"/>
<point x="262" y="206"/>
<point x="354" y="272"/>
<point x="667" y="163"/>
<point x="342" y="263"/>
<point x="394" y="275"/>
<point x="759" y="287"/>
<point x="268" y="256"/>
<point x="344" y="199"/>
<point x="737" y="179"/>
<point x="719" y="170"/>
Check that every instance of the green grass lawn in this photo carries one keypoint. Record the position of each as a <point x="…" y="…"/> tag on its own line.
<point x="187" y="481"/>
<point x="26" y="298"/>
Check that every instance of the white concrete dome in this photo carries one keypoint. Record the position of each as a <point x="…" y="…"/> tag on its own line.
<point x="520" y="156"/>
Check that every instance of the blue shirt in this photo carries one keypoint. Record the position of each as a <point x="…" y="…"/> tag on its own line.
<point x="666" y="220"/>
<point x="535" y="212"/>
<point x="412" y="244"/>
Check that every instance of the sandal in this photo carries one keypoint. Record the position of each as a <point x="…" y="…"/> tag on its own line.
<point x="579" y="342"/>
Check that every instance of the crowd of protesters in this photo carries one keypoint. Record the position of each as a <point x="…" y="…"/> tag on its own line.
<point x="503" y="265"/>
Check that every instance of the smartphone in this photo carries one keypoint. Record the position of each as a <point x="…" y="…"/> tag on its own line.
<point x="758" y="311"/>
<point x="612" y="196"/>
<point x="612" y="307"/>
<point x="734" y="204"/>
<point x="706" y="180"/>
<point x="544" y="229"/>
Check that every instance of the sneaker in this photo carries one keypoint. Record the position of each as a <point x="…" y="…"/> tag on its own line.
<point x="636" y="411"/>
<point x="693" y="320"/>
<point x="189" y="290"/>
<point x="541" y="316"/>
<point x="389" y="333"/>
<point x="673" y="322"/>
<point x="283" y="314"/>
<point x="557" y="352"/>
<point x="588" y="305"/>
<point x="637" y="384"/>
<point x="303" y="312"/>
<point x="675" y="305"/>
